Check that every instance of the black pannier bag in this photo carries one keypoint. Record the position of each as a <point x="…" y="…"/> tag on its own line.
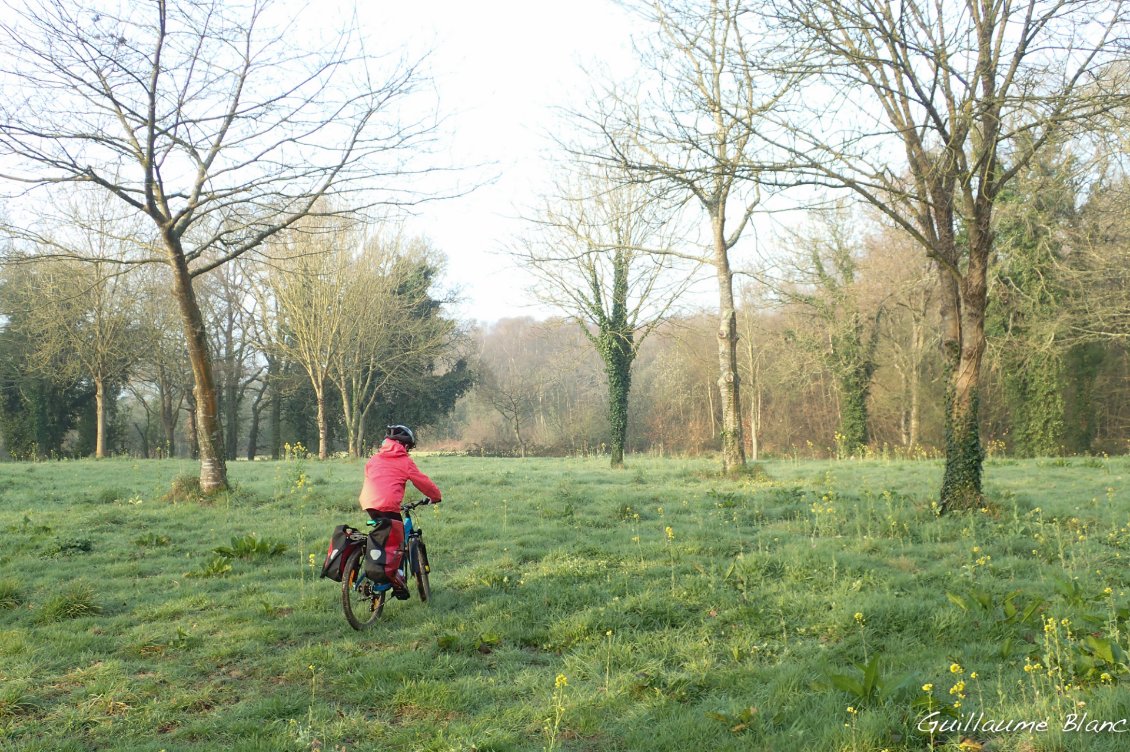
<point x="375" y="556"/>
<point x="342" y="543"/>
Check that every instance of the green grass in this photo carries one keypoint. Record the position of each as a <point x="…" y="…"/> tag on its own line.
<point x="575" y="608"/>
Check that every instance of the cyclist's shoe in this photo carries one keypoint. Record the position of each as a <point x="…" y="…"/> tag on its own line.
<point x="399" y="589"/>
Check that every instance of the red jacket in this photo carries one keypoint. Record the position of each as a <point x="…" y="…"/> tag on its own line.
<point x="386" y="473"/>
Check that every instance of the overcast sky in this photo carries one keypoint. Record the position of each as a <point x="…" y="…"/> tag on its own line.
<point x="499" y="69"/>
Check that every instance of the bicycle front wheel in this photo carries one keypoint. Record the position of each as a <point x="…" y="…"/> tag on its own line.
<point x="418" y="562"/>
<point x="362" y="606"/>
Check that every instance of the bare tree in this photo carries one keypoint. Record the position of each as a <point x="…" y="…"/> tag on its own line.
<point x="600" y="253"/>
<point x="927" y="111"/>
<point x="908" y="330"/>
<point x="692" y="135"/>
<point x="389" y="338"/>
<point x="821" y="277"/>
<point x="215" y="120"/>
<point x="308" y="287"/>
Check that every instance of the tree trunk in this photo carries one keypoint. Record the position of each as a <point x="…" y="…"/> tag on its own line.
<point x="209" y="431"/>
<point x="253" y="428"/>
<point x="961" y="482"/>
<point x="231" y="417"/>
<point x="618" y="366"/>
<point x="168" y="416"/>
<point x="323" y="428"/>
<point x="917" y="346"/>
<point x="190" y="425"/>
<point x="273" y="379"/>
<point x="733" y="446"/>
<point x="99" y="417"/>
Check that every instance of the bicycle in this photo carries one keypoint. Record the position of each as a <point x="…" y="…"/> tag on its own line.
<point x="362" y="600"/>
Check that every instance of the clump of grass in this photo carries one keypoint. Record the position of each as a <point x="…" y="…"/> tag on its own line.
<point x="16" y="700"/>
<point x="111" y="496"/>
<point x="185" y="489"/>
<point x="250" y="547"/>
<point x="74" y="601"/>
<point x="11" y="594"/>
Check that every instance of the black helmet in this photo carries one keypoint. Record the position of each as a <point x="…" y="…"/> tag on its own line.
<point x="403" y="434"/>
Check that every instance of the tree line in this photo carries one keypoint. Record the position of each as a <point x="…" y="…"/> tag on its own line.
<point x="960" y="165"/>
<point x="344" y="330"/>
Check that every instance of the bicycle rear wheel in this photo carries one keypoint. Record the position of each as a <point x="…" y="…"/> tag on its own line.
<point x="362" y="606"/>
<point x="418" y="563"/>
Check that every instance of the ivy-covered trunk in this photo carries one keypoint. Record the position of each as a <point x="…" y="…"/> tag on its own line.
<point x="853" y="362"/>
<point x="854" y="389"/>
<point x="618" y="366"/>
<point x="963" y="322"/>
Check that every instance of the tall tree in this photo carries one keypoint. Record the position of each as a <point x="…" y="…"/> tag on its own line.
<point x="691" y="131"/>
<point x="1026" y="311"/>
<point x="308" y="291"/>
<point x="38" y="406"/>
<point x="83" y="324"/>
<point x="213" y="120"/>
<point x="928" y="111"/>
<point x="395" y="331"/>
<point x="824" y="282"/>
<point x="600" y="252"/>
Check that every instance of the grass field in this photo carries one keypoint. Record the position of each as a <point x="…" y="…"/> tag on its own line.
<point x="820" y="606"/>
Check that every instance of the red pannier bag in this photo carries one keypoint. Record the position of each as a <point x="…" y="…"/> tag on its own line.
<point x="342" y="542"/>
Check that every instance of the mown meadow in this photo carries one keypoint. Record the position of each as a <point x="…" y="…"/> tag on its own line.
<point x="812" y="605"/>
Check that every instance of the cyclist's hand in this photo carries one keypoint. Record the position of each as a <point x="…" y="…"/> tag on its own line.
<point x="432" y="501"/>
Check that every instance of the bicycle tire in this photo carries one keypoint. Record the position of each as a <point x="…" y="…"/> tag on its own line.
<point x="355" y="602"/>
<point x="418" y="563"/>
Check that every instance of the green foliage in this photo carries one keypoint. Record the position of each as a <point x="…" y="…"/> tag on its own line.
<point x="1023" y="317"/>
<point x="867" y="684"/>
<point x="38" y="406"/>
<point x="1082" y="365"/>
<point x="152" y="540"/>
<point x="250" y="547"/>
<point x="217" y="566"/>
<point x="68" y="546"/>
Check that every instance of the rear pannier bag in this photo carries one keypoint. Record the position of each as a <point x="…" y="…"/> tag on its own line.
<point x="342" y="543"/>
<point x="375" y="555"/>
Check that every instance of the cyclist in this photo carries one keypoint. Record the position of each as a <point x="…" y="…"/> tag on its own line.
<point x="386" y="474"/>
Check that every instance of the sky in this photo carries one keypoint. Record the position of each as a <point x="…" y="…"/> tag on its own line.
<point x="500" y="70"/>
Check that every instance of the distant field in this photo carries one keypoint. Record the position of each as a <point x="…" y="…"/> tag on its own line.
<point x="575" y="608"/>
